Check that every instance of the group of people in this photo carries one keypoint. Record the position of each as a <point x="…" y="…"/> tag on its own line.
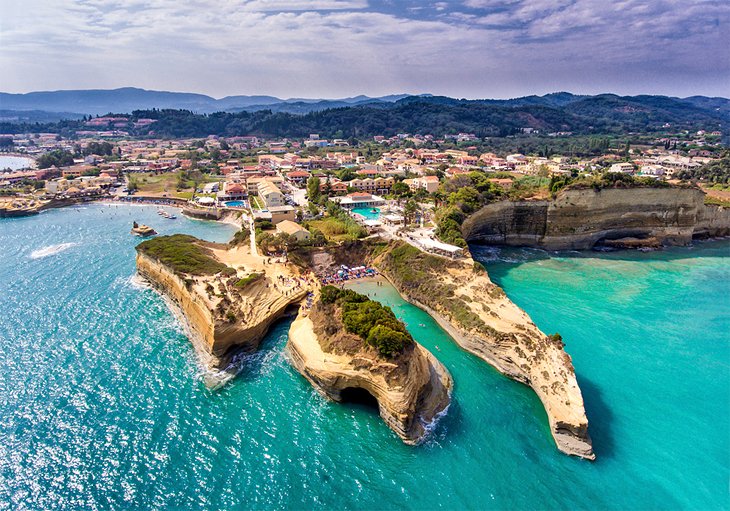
<point x="344" y="274"/>
<point x="289" y="285"/>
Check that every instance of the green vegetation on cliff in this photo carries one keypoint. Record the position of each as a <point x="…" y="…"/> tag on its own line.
<point x="374" y="323"/>
<point x="462" y="195"/>
<point x="417" y="275"/>
<point x="247" y="281"/>
<point x="606" y="180"/>
<point x="183" y="254"/>
<point x="466" y="194"/>
<point x="337" y="226"/>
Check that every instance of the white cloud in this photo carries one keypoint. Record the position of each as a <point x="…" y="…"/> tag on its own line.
<point x="303" y="5"/>
<point x="344" y="47"/>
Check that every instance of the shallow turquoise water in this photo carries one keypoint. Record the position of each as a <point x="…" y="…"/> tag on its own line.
<point x="102" y="404"/>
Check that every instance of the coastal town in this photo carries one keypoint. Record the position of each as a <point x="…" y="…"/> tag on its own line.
<point x="314" y="215"/>
<point x="365" y="255"/>
<point x="315" y="190"/>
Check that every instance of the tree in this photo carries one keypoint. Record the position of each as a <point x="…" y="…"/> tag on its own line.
<point x="409" y="211"/>
<point x="100" y="148"/>
<point x="328" y="186"/>
<point x="387" y="341"/>
<point x="313" y="192"/>
<point x="346" y="174"/>
<point x="58" y="158"/>
<point x="400" y="189"/>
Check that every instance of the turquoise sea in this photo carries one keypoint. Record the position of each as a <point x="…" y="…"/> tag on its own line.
<point x="102" y="404"/>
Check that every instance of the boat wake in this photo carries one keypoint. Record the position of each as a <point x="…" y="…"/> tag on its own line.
<point x="51" y="250"/>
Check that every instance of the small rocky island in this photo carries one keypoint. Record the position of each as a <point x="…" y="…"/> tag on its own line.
<point x="347" y="342"/>
<point x="142" y="230"/>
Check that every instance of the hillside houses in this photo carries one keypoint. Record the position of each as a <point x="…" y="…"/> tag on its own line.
<point x="428" y="183"/>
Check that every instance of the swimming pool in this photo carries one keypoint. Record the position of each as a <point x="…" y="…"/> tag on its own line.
<point x="368" y="213"/>
<point x="235" y="204"/>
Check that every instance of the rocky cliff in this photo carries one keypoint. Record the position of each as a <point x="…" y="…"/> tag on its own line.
<point x="222" y="318"/>
<point x="483" y="321"/>
<point x="712" y="221"/>
<point x="411" y="390"/>
<point x="579" y="219"/>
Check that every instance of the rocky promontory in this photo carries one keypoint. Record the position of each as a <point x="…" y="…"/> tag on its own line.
<point x="227" y="298"/>
<point x="347" y="343"/>
<point x="485" y="322"/>
<point x="581" y="218"/>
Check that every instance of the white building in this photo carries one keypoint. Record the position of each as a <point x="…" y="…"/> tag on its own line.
<point x="623" y="167"/>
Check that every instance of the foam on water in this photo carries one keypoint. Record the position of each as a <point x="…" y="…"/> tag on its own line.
<point x="51" y="250"/>
<point x="136" y="281"/>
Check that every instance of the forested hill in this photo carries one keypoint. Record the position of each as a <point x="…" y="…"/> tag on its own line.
<point x="434" y="115"/>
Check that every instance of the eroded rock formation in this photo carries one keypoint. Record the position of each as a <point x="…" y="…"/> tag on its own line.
<point x="224" y="313"/>
<point x="411" y="389"/>
<point x="578" y="219"/>
<point x="483" y="321"/>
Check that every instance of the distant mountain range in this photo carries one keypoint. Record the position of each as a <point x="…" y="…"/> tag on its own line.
<point x="196" y="115"/>
<point x="127" y="99"/>
<point x="70" y="104"/>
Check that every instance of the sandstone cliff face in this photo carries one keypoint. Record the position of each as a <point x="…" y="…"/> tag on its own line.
<point x="579" y="219"/>
<point x="483" y="321"/>
<point x="411" y="391"/>
<point x="713" y="221"/>
<point x="214" y="338"/>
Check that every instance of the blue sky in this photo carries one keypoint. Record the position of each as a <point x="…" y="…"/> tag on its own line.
<point x="337" y="48"/>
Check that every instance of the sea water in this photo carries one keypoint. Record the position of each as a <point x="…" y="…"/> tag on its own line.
<point x="15" y="162"/>
<point x="103" y="405"/>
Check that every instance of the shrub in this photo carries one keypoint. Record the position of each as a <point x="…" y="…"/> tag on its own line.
<point x="264" y="225"/>
<point x="183" y="254"/>
<point x="557" y="339"/>
<point x="387" y="341"/>
<point x="329" y="294"/>
<point x="369" y="320"/>
<point x="241" y="237"/>
<point x="250" y="279"/>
